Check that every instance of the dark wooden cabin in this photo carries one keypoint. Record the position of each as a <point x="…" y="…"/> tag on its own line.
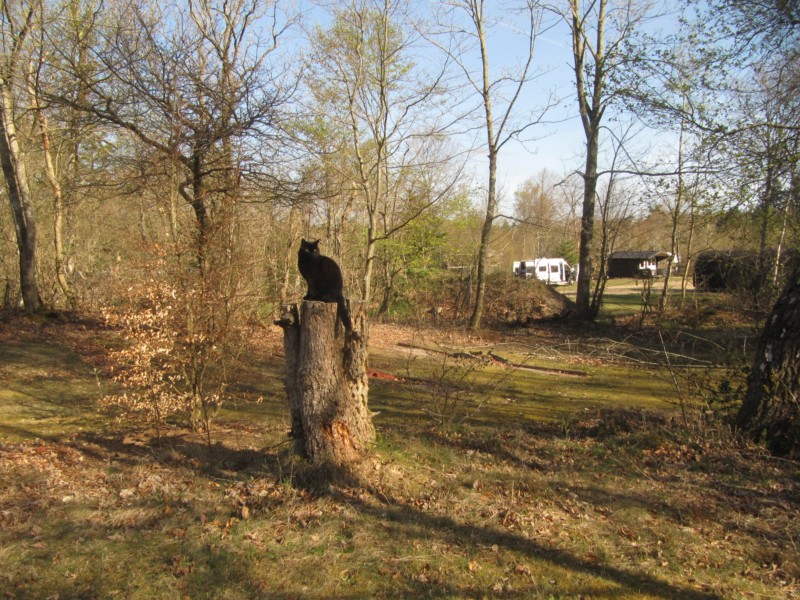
<point x="638" y="263"/>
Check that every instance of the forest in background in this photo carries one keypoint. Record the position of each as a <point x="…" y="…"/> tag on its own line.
<point x="193" y="144"/>
<point x="162" y="161"/>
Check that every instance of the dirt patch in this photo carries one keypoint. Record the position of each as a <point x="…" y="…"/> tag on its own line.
<point x="511" y="301"/>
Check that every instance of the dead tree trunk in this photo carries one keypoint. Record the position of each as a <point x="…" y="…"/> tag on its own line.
<point x="326" y="383"/>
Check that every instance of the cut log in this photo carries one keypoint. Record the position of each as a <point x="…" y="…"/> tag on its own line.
<point x="326" y="382"/>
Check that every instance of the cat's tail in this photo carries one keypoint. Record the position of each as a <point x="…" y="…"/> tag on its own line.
<point x="344" y="314"/>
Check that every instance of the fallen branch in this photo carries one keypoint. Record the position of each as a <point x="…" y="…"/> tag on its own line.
<point x="491" y="356"/>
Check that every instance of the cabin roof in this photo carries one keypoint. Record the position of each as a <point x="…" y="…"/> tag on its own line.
<point x="639" y="255"/>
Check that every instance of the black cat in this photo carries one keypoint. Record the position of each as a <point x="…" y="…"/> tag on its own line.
<point x="324" y="279"/>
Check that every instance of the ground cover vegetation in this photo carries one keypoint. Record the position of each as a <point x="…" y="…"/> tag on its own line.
<point x="615" y="438"/>
<point x="571" y="465"/>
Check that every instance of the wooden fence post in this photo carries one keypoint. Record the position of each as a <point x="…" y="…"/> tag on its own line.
<point x="326" y="382"/>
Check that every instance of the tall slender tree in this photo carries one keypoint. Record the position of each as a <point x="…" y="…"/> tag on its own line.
<point x="599" y="31"/>
<point x="464" y="30"/>
<point x="34" y="76"/>
<point x="16" y="24"/>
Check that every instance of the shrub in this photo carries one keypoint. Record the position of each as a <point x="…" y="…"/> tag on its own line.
<point x="165" y="360"/>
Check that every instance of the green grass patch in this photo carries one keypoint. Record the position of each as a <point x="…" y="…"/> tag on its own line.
<point x="46" y="391"/>
<point x="535" y="390"/>
<point x="620" y="304"/>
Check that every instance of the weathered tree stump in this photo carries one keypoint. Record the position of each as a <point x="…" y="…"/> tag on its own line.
<point x="326" y="382"/>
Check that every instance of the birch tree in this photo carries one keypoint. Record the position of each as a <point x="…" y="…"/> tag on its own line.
<point x="16" y="24"/>
<point x="770" y="411"/>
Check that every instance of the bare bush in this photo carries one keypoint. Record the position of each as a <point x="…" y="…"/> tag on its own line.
<point x="458" y="387"/>
<point x="149" y="368"/>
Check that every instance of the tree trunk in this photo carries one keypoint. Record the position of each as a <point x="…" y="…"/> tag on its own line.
<point x="483" y="252"/>
<point x="388" y="287"/>
<point x="585" y="308"/>
<point x="55" y="185"/>
<point x="369" y="259"/>
<point x="291" y="238"/>
<point x="689" y="239"/>
<point x="771" y="407"/>
<point x="591" y="107"/>
<point x="602" y="275"/>
<point x="494" y="149"/>
<point x="326" y="383"/>
<point x="16" y="178"/>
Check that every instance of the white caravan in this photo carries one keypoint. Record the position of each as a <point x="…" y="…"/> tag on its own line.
<point x="555" y="271"/>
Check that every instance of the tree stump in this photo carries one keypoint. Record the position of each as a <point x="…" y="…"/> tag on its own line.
<point x="326" y="382"/>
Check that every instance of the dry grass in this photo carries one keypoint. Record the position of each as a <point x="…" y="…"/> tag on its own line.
<point x="596" y="502"/>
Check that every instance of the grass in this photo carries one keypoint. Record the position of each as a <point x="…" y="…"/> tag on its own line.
<point x="623" y="297"/>
<point x="46" y="391"/>
<point x="562" y="487"/>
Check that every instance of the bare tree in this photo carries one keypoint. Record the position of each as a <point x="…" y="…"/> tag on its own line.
<point x="34" y="76"/>
<point x="682" y="198"/>
<point x="424" y="192"/>
<point x="615" y="204"/>
<point x="535" y="207"/>
<point x="380" y="108"/>
<point x="465" y="27"/>
<point x="194" y="85"/>
<point x="74" y="156"/>
<point x="202" y="77"/>
<point x="599" y="30"/>
<point x="16" y="24"/>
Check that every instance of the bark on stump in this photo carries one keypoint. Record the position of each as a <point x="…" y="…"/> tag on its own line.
<point x="326" y="382"/>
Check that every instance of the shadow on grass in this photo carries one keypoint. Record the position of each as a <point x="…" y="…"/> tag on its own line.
<point x="213" y="569"/>
<point x="179" y="450"/>
<point x="425" y="526"/>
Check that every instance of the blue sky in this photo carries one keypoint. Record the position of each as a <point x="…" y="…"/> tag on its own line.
<point x="557" y="145"/>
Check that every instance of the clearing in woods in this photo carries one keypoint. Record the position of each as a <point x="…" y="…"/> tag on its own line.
<point x="564" y="463"/>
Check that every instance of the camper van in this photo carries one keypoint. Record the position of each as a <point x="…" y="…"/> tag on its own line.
<point x="555" y="271"/>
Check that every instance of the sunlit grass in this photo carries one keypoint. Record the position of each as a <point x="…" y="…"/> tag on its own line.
<point x="46" y="391"/>
<point x="571" y="481"/>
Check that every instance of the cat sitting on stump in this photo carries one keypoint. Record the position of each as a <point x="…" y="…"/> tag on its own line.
<point x="324" y="278"/>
